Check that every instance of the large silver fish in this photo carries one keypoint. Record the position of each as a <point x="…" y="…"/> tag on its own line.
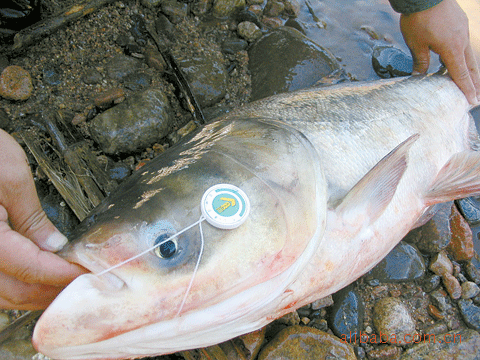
<point x="329" y="181"/>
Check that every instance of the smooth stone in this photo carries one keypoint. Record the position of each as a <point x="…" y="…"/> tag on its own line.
<point x="249" y="31"/>
<point x="245" y="346"/>
<point x="392" y="319"/>
<point x="346" y="314"/>
<point x="292" y="7"/>
<point x="322" y="303"/>
<point x="470" y="209"/>
<point x="389" y="61"/>
<point x="299" y="62"/>
<point x="461" y="245"/>
<point x="441" y="264"/>
<point x="469" y="290"/>
<point x="452" y="285"/>
<point x="207" y="77"/>
<point x="384" y="352"/>
<point x="92" y="77"/>
<point x="118" y="171"/>
<point x="472" y="272"/>
<point x="137" y="81"/>
<point x="274" y="8"/>
<point x="15" y="83"/>
<point x="52" y="76"/>
<point x="304" y="342"/>
<point x="403" y="263"/>
<point x="435" y="234"/>
<point x="233" y="45"/>
<point x="225" y="8"/>
<point x="120" y="66"/>
<point x="151" y="3"/>
<point x="440" y="300"/>
<point x="174" y="10"/>
<point x="134" y="124"/>
<point x="431" y="283"/>
<point x="461" y="344"/>
<point x="470" y="313"/>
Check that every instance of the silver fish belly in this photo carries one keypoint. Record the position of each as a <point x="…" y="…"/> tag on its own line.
<point x="335" y="177"/>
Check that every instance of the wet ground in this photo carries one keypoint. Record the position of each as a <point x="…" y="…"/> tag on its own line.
<point x="60" y="64"/>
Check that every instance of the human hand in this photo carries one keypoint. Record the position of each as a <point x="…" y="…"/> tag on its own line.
<point x="31" y="275"/>
<point x="443" y="29"/>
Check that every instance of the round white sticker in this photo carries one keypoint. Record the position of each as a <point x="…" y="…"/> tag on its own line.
<point x="225" y="206"/>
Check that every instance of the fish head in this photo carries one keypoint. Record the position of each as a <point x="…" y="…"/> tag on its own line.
<point x="163" y="278"/>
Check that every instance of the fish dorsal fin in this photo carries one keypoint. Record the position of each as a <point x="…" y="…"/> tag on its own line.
<point x="459" y="178"/>
<point x="371" y="195"/>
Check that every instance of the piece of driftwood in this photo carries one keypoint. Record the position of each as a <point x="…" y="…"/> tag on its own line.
<point x="38" y="31"/>
<point x="178" y="78"/>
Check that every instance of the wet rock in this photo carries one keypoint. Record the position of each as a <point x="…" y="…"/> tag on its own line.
<point x="470" y="209"/>
<point x="120" y="66"/>
<point x="225" y="8"/>
<point x="403" y="263"/>
<point x="289" y="319"/>
<point x="440" y="300"/>
<point x="92" y="77"/>
<point x="384" y="352"/>
<point x="274" y="8"/>
<point x="200" y="7"/>
<point x="244" y="347"/>
<point x="207" y="77"/>
<point x="431" y="283"/>
<point x="388" y="62"/>
<point x="15" y="83"/>
<point x="272" y="22"/>
<point x="393" y="321"/>
<point x="118" y="171"/>
<point x="434" y="235"/>
<point x="107" y="98"/>
<point x="233" y="45"/>
<point x="469" y="290"/>
<point x="151" y="3"/>
<point x="52" y="75"/>
<point x="299" y="62"/>
<point x="155" y="60"/>
<point x="134" y="124"/>
<point x="346" y="314"/>
<point x="17" y="350"/>
<point x="304" y="342"/>
<point x="441" y="264"/>
<point x="319" y="324"/>
<point x="452" y="286"/>
<point x="292" y="7"/>
<point x="249" y="31"/>
<point x="434" y="312"/>
<point x="175" y="10"/>
<point x="137" y="81"/>
<point x="470" y="313"/>
<point x="472" y="272"/>
<point x="461" y="245"/>
<point x="464" y="344"/>
<point x="322" y="303"/>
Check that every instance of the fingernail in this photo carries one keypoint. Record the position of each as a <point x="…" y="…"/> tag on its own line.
<point x="55" y="241"/>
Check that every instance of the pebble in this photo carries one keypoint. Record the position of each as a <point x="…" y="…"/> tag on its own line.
<point x="175" y="10"/>
<point x="249" y="31"/>
<point x="470" y="313"/>
<point x="109" y="97"/>
<point x="225" y="8"/>
<point x="137" y="81"/>
<point x="322" y="303"/>
<point x="431" y="283"/>
<point x="393" y="320"/>
<point x="440" y="300"/>
<point x="347" y="313"/>
<point x="292" y="7"/>
<point x="441" y="264"/>
<point x="120" y="66"/>
<point x="207" y="77"/>
<point x="435" y="234"/>
<point x="155" y="60"/>
<point x="304" y="342"/>
<point x="92" y="77"/>
<point x="233" y="45"/>
<point x="452" y="285"/>
<point x="469" y="290"/>
<point x="384" y="352"/>
<point x="17" y="350"/>
<point x="244" y="347"/>
<point x="273" y="8"/>
<point x="472" y="272"/>
<point x="446" y="346"/>
<point x="389" y="61"/>
<point x="470" y="209"/>
<point x="52" y="75"/>
<point x="434" y="312"/>
<point x="151" y="3"/>
<point x="403" y="263"/>
<point x="4" y="320"/>
<point x="4" y="120"/>
<point x="15" y="83"/>
<point x="461" y="245"/>
<point x="306" y="63"/>
<point x="134" y="124"/>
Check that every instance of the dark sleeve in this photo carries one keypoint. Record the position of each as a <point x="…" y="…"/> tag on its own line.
<point x="411" y="6"/>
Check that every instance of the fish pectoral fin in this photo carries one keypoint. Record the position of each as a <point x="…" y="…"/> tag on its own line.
<point x="459" y="178"/>
<point x="371" y="195"/>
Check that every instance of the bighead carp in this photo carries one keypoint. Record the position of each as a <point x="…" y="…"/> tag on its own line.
<point x="260" y="212"/>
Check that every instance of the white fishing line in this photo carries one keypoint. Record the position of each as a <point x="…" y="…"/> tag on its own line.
<point x="155" y="246"/>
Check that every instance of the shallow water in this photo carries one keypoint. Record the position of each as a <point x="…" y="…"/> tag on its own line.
<point x="348" y="29"/>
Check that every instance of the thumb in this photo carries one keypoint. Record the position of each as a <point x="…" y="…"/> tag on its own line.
<point x="19" y="198"/>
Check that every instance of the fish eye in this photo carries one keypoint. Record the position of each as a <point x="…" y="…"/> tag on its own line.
<point x="167" y="249"/>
